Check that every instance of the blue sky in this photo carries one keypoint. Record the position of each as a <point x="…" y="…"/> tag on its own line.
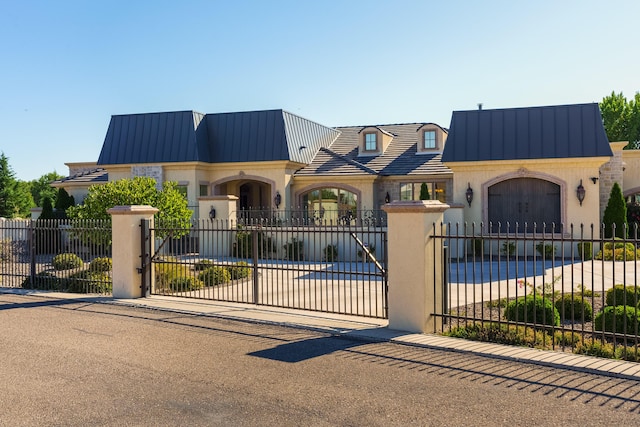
<point x="67" y="66"/>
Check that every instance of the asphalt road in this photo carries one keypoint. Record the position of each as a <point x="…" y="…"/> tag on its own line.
<point x="73" y="363"/>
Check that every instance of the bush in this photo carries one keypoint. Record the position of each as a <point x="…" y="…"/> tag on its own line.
<point x="203" y="265"/>
<point x="243" y="247"/>
<point x="93" y="282"/>
<point x="213" y="276"/>
<point x="574" y="308"/>
<point x="622" y="295"/>
<point x="239" y="270"/>
<point x="618" y="251"/>
<point x="502" y="334"/>
<point x="585" y="250"/>
<point x="508" y="248"/>
<point x="101" y="264"/>
<point x="615" y="214"/>
<point x="620" y="319"/>
<point x="330" y="253"/>
<point x="547" y="250"/>
<point x="630" y="353"/>
<point x="594" y="348"/>
<point x="294" y="250"/>
<point x="168" y="269"/>
<point x="67" y="261"/>
<point x="185" y="283"/>
<point x="43" y="280"/>
<point x="533" y="309"/>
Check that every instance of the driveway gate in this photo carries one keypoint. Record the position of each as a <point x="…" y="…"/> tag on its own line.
<point x="334" y="268"/>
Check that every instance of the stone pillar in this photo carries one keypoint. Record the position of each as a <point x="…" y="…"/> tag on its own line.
<point x="126" y="248"/>
<point x="216" y="242"/>
<point x="415" y="265"/>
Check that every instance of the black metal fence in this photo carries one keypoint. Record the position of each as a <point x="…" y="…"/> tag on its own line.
<point x="56" y="255"/>
<point x="292" y="264"/>
<point x="315" y="217"/>
<point x="557" y="288"/>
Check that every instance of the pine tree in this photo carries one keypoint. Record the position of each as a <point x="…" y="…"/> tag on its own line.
<point x="47" y="209"/>
<point x="615" y="213"/>
<point x="424" y="192"/>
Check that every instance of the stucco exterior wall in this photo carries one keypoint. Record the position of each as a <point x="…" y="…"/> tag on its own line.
<point x="568" y="173"/>
<point x="631" y="172"/>
<point x="362" y="185"/>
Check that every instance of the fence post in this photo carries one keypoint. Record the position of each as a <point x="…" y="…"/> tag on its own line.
<point x="126" y="243"/>
<point x="415" y="265"/>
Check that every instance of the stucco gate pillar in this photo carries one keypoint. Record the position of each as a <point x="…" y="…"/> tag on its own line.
<point x="221" y="211"/>
<point x="415" y="265"/>
<point x="126" y="244"/>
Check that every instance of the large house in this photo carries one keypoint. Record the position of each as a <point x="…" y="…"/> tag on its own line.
<point x="549" y="164"/>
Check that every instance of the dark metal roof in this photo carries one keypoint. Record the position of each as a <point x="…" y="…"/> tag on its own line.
<point x="185" y="136"/>
<point x="561" y="131"/>
<point x="400" y="157"/>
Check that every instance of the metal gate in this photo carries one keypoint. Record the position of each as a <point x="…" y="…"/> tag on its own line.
<point x="333" y="268"/>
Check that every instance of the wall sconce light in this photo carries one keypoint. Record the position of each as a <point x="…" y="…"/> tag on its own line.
<point x="277" y="200"/>
<point x="469" y="193"/>
<point x="212" y="213"/>
<point x="387" y="198"/>
<point x="580" y="192"/>
<point x="594" y="179"/>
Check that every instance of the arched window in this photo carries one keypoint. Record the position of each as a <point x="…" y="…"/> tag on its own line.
<point x="330" y="204"/>
<point x="525" y="201"/>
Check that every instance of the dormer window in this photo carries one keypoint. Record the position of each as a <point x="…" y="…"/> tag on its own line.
<point x="429" y="139"/>
<point x="371" y="141"/>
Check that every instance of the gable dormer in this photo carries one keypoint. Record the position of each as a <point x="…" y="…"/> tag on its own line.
<point x="373" y="141"/>
<point x="431" y="138"/>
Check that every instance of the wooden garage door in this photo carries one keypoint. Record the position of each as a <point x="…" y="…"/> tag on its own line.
<point x="525" y="201"/>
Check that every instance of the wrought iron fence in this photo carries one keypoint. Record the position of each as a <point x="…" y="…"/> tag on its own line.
<point x="314" y="217"/>
<point x="56" y="255"/>
<point x="568" y="289"/>
<point x="292" y="264"/>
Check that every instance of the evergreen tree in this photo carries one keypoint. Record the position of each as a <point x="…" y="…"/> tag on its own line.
<point x="424" y="192"/>
<point x="15" y="197"/>
<point x="41" y="188"/>
<point x="47" y="209"/>
<point x="615" y="213"/>
<point x="63" y="202"/>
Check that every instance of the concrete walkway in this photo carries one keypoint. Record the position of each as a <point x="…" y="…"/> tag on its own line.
<point x="359" y="328"/>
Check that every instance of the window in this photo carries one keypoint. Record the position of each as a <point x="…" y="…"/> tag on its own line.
<point x="370" y="141"/>
<point x="204" y="189"/>
<point x="429" y="139"/>
<point x="434" y="191"/>
<point x="182" y="189"/>
<point x="330" y="205"/>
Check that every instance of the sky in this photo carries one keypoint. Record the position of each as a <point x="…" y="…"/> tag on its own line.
<point x="67" y="66"/>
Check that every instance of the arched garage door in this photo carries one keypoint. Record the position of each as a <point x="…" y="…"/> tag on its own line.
<point x="525" y="201"/>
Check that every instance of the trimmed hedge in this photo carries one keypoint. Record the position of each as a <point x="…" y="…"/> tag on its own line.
<point x="574" y="308"/>
<point x="620" y="319"/>
<point x="533" y="309"/>
<point x="101" y="264"/>
<point x="623" y="295"/>
<point x="215" y="276"/>
<point x="67" y="261"/>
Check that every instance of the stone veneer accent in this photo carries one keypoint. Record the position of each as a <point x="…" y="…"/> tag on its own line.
<point x="154" y="172"/>
<point x="610" y="172"/>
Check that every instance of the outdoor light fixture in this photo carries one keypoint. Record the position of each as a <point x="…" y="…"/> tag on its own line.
<point x="387" y="198"/>
<point x="277" y="200"/>
<point x="469" y="193"/>
<point x="580" y="192"/>
<point x="594" y="179"/>
<point x="212" y="213"/>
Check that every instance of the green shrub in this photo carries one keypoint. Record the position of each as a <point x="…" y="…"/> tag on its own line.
<point x="101" y="264"/>
<point x="566" y="338"/>
<point x="502" y="334"/>
<point x="630" y="353"/>
<point x="533" y="309"/>
<point x="43" y="280"/>
<point x="168" y="269"/>
<point x="622" y="295"/>
<point x="330" y="253"/>
<point x="239" y="270"/>
<point x="547" y="250"/>
<point x="595" y="348"/>
<point x="574" y="308"/>
<point x="508" y="248"/>
<point x="615" y="214"/>
<point x="203" y="265"/>
<point x="243" y="247"/>
<point x="213" y="276"/>
<point x="478" y="246"/>
<point x="67" y="261"/>
<point x="585" y="250"/>
<point x="185" y="283"/>
<point x="294" y="250"/>
<point x="92" y="282"/>
<point x="618" y="251"/>
<point x="620" y="319"/>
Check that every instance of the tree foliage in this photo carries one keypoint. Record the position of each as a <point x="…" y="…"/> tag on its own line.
<point x="171" y="203"/>
<point x="424" y="192"/>
<point x="621" y="118"/>
<point x="15" y="197"/>
<point x="615" y="213"/>
<point x="41" y="188"/>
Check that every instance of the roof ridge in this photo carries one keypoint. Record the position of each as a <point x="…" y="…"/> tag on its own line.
<point x="350" y="161"/>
